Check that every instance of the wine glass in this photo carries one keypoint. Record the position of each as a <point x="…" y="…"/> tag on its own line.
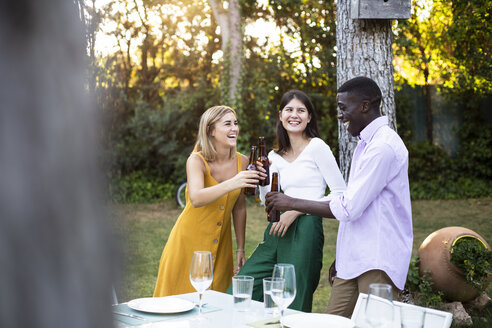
<point x="201" y="273"/>
<point x="379" y="306"/>
<point x="283" y="286"/>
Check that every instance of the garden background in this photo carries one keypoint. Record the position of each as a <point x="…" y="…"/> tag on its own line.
<point x="156" y="65"/>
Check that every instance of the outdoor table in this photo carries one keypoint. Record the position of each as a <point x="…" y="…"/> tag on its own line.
<point x="218" y="312"/>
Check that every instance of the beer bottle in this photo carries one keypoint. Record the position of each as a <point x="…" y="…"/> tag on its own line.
<point x="251" y="166"/>
<point x="262" y="157"/>
<point x="276" y="215"/>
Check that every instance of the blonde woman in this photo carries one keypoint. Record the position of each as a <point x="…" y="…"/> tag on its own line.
<point x="215" y="173"/>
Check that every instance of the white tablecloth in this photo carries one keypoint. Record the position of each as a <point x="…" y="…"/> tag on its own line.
<point x="226" y="317"/>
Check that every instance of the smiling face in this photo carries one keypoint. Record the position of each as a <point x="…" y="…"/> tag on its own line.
<point x="225" y="131"/>
<point x="351" y="110"/>
<point x="294" y="116"/>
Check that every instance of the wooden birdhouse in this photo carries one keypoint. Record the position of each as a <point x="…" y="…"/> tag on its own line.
<point x="380" y="9"/>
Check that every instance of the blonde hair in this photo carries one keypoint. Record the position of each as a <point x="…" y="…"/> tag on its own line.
<point x="207" y="124"/>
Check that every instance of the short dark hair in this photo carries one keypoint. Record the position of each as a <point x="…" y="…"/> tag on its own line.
<point x="311" y="131"/>
<point x="364" y="88"/>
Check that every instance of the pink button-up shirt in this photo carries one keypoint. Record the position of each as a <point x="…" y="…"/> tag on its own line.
<point x="374" y="211"/>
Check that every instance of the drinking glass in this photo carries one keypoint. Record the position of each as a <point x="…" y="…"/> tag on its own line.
<point x="283" y="286"/>
<point x="242" y="290"/>
<point x="412" y="317"/>
<point x="379" y="306"/>
<point x="268" y="302"/>
<point x="201" y="273"/>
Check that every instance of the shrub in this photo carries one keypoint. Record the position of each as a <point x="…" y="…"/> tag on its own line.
<point x="448" y="189"/>
<point x="471" y="256"/>
<point x="149" y="142"/>
<point x="139" y="188"/>
<point x="475" y="154"/>
<point x="421" y="286"/>
<point x="434" y="174"/>
<point x="429" y="162"/>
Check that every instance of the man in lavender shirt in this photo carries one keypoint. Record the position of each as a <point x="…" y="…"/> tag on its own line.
<point x="374" y="242"/>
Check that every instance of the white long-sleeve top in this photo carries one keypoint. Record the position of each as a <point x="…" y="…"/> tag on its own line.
<point x="308" y="175"/>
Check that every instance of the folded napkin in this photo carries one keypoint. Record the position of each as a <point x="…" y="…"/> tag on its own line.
<point x="153" y="317"/>
<point x="266" y="323"/>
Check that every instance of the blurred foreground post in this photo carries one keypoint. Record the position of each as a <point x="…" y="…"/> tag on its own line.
<point x="55" y="242"/>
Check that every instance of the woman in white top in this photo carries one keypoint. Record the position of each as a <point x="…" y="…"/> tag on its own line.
<point x="305" y="165"/>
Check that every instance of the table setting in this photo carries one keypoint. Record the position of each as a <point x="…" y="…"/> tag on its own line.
<point x="207" y="308"/>
<point x="154" y="309"/>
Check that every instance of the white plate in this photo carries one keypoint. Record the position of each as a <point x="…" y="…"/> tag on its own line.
<point x="315" y="320"/>
<point x="161" y="305"/>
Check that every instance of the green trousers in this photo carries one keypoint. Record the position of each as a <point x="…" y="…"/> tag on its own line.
<point x="301" y="246"/>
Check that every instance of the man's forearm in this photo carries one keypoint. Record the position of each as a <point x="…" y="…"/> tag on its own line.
<point x="312" y="207"/>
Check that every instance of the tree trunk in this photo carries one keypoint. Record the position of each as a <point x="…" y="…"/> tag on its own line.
<point x="229" y="21"/>
<point x="363" y="49"/>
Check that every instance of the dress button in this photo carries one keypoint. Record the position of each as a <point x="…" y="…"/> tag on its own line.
<point x="219" y="223"/>
<point x="215" y="241"/>
<point x="221" y="207"/>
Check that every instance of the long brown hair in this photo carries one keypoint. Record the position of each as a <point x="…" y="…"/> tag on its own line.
<point x="311" y="131"/>
<point x="207" y="125"/>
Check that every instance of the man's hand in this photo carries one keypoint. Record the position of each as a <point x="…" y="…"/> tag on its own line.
<point x="332" y="273"/>
<point x="276" y="201"/>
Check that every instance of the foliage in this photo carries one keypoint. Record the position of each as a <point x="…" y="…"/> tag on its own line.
<point x="148" y="141"/>
<point x="474" y="259"/>
<point x="446" y="43"/>
<point x="470" y="34"/>
<point x="418" y="45"/>
<point x="475" y="153"/>
<point x="429" y="162"/>
<point x="462" y="188"/>
<point x="421" y="286"/>
<point x="165" y="70"/>
<point x="434" y="174"/>
<point x="272" y="68"/>
<point x="404" y="106"/>
<point x="138" y="187"/>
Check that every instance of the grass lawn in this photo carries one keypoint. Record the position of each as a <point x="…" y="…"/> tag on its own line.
<point x="144" y="229"/>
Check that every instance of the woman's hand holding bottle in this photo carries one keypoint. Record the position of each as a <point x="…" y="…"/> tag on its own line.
<point x="261" y="170"/>
<point x="244" y="179"/>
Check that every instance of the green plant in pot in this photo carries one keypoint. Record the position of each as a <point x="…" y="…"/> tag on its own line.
<point x="463" y="278"/>
<point x="472" y="256"/>
<point x="420" y="286"/>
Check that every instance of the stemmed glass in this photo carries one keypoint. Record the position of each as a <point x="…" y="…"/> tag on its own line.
<point x="283" y="286"/>
<point x="201" y="273"/>
<point x="379" y="306"/>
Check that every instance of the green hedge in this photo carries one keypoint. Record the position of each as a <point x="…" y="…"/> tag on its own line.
<point x="434" y="174"/>
<point x="140" y="188"/>
<point x="448" y="189"/>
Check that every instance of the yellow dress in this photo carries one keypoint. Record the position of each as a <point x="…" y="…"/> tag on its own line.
<point x="207" y="228"/>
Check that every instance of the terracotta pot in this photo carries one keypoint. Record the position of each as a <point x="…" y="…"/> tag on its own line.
<point x="435" y="255"/>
